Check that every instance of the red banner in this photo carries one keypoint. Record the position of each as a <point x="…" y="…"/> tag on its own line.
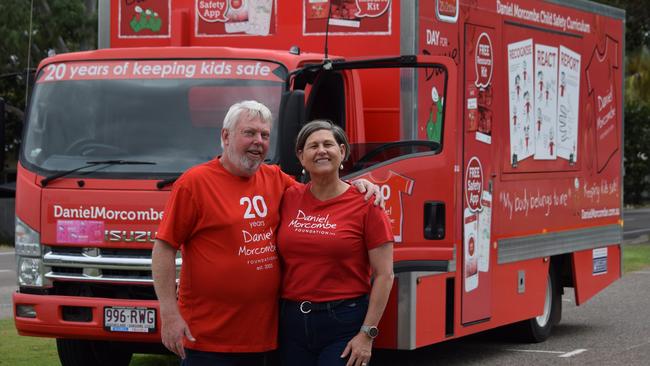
<point x="160" y="69"/>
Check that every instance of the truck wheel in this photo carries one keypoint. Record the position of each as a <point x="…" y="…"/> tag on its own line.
<point x="75" y="352"/>
<point x="538" y="329"/>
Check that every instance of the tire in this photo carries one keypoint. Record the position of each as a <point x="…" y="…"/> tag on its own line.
<point x="538" y="329"/>
<point x="75" y="352"/>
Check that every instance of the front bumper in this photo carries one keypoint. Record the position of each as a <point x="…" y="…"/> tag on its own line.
<point x="49" y="320"/>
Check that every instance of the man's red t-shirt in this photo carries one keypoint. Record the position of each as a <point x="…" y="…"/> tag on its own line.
<point x="225" y="227"/>
<point x="324" y="245"/>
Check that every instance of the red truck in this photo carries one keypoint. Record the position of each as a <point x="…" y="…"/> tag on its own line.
<point x="493" y="128"/>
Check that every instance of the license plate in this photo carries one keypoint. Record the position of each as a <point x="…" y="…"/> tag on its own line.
<point x="129" y="319"/>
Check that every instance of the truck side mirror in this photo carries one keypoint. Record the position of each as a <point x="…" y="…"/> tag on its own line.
<point x="2" y="134"/>
<point x="292" y="116"/>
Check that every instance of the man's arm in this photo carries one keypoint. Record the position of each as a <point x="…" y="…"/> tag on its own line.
<point x="362" y="185"/>
<point x="173" y="327"/>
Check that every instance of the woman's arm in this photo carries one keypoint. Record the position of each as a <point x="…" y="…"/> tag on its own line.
<point x="381" y="261"/>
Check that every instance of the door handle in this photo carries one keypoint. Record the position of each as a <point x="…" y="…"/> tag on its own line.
<point x="434" y="220"/>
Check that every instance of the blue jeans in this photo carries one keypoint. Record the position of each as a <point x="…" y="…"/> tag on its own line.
<point x="202" y="358"/>
<point x="319" y="337"/>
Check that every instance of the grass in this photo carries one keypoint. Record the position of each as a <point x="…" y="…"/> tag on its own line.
<point x="636" y="257"/>
<point x="6" y="247"/>
<point x="31" y="351"/>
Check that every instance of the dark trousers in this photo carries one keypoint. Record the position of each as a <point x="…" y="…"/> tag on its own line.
<point x="319" y="337"/>
<point x="201" y="358"/>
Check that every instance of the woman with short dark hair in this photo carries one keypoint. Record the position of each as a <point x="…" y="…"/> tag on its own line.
<point x="330" y="241"/>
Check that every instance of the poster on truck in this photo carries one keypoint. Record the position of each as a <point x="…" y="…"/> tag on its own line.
<point x="484" y="232"/>
<point x="521" y="97"/>
<point x="470" y="250"/>
<point x="545" y="123"/>
<point x="568" y="106"/>
<point x="218" y="18"/>
<point x="347" y="17"/>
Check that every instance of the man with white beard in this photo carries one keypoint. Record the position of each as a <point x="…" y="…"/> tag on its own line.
<point x="223" y="215"/>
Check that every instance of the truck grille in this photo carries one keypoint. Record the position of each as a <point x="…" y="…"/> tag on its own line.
<point x="106" y="265"/>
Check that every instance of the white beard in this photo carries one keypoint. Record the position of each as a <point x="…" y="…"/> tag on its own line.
<point x="242" y="162"/>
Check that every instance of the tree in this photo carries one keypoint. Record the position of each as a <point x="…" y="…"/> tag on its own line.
<point x="56" y="26"/>
<point x="637" y="156"/>
<point x="637" y="22"/>
<point x="637" y="80"/>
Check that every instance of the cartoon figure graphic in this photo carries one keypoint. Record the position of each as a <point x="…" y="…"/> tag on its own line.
<point x="527" y="105"/>
<point x="540" y="76"/>
<point x="562" y="83"/>
<point x="547" y="93"/>
<point x="147" y="19"/>
<point x="434" y="127"/>
<point x="525" y="72"/>
<point x="550" y="143"/>
<point x="517" y="86"/>
<point x="573" y="154"/>
<point x="526" y="136"/>
<point x="539" y="119"/>
<point x="514" y="116"/>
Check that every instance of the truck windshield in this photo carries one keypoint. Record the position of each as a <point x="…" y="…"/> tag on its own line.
<point x="166" y="112"/>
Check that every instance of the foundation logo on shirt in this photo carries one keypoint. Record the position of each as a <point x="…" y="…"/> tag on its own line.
<point x="313" y="224"/>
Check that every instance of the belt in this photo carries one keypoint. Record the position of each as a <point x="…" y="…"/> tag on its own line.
<point x="307" y="307"/>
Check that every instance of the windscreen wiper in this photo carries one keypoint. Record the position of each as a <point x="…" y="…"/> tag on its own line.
<point x="162" y="183"/>
<point x="89" y="164"/>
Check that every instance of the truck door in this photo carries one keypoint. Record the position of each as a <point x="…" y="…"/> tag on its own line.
<point x="400" y="117"/>
<point x="478" y="172"/>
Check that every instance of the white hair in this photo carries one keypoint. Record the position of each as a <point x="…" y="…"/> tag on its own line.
<point x="249" y="109"/>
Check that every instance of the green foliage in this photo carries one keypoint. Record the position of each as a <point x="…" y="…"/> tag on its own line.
<point x="637" y="154"/>
<point x="637" y="81"/>
<point x="637" y="22"/>
<point x="58" y="25"/>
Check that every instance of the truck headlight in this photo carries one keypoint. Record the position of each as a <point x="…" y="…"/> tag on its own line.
<point x="28" y="243"/>
<point x="28" y="256"/>
<point x="30" y="272"/>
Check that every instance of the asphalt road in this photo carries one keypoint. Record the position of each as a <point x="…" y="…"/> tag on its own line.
<point x="613" y="328"/>
<point x="7" y="282"/>
<point x="637" y="225"/>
